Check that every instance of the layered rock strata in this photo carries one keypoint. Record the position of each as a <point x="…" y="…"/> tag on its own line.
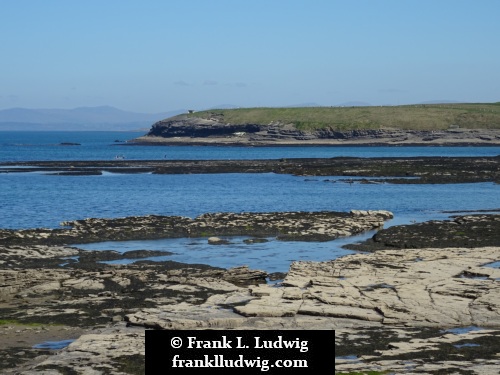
<point x="183" y="129"/>
<point x="393" y="311"/>
<point x="424" y="287"/>
<point x="425" y="310"/>
<point x="61" y="303"/>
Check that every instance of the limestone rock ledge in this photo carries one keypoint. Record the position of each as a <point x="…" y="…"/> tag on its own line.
<point x="394" y="309"/>
<point x="115" y="350"/>
<point x="424" y="287"/>
<point x="391" y="308"/>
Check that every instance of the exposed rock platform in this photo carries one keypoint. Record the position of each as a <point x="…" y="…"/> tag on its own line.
<point x="392" y="310"/>
<point x="469" y="231"/>
<point x="302" y="226"/>
<point x="410" y="170"/>
<point x="425" y="310"/>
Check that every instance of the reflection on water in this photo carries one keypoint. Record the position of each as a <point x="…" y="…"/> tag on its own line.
<point x="461" y="330"/>
<point x="271" y="256"/>
<point x="493" y="265"/>
<point x="53" y="345"/>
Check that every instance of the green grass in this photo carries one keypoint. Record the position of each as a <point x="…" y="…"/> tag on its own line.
<point x="406" y="117"/>
<point x="18" y="323"/>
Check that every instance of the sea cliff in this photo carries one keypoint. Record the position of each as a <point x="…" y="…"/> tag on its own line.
<point x="184" y="129"/>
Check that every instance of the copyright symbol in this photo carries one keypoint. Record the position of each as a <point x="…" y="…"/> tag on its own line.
<point x="176" y="342"/>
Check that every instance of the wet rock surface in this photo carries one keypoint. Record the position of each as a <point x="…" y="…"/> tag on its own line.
<point x="90" y="299"/>
<point x="396" y="170"/>
<point x="416" y="311"/>
<point x="46" y="283"/>
<point x="466" y="230"/>
<point x="426" y="310"/>
<point x="424" y="287"/>
<point x="302" y="226"/>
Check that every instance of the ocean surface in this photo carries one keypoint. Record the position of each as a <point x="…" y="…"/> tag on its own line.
<point x="29" y="200"/>
<point x="25" y="146"/>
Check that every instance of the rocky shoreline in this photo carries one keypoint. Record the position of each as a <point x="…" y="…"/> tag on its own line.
<point x="46" y="284"/>
<point x="301" y="226"/>
<point x="410" y="170"/>
<point x="432" y="307"/>
<point x="190" y="130"/>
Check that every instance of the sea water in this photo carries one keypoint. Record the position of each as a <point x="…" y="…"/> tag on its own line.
<point x="25" y="146"/>
<point x="30" y="200"/>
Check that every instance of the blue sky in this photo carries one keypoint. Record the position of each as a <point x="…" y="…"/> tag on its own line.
<point x="160" y="55"/>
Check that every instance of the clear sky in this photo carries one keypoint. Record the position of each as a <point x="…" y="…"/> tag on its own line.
<point x="161" y="55"/>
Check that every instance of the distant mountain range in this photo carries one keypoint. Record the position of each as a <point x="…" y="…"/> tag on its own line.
<point x="82" y="118"/>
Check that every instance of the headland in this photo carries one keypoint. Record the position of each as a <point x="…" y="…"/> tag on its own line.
<point x="411" y="125"/>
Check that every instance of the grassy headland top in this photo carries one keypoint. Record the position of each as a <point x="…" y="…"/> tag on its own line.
<point x="406" y="117"/>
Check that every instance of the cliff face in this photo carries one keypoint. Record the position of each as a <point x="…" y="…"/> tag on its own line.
<point x="193" y="127"/>
<point x="192" y="130"/>
<point x="183" y="126"/>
